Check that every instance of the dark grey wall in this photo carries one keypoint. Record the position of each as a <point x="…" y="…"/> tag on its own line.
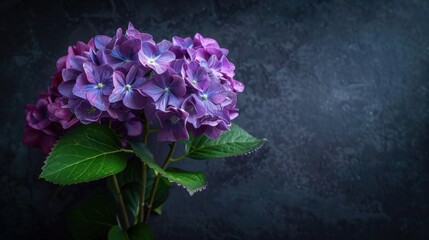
<point x="340" y="89"/>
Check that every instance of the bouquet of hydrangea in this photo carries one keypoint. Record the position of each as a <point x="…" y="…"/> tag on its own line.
<point x="107" y="96"/>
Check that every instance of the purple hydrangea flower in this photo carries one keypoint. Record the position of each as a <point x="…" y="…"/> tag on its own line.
<point x="133" y="125"/>
<point x="95" y="85"/>
<point x="183" y="43"/>
<point x="156" y="57"/>
<point x="212" y="97"/>
<point x="213" y="128"/>
<point x="165" y="90"/>
<point x="197" y="76"/>
<point x="102" y="42"/>
<point x="181" y="46"/>
<point x="73" y="69"/>
<point x="133" y="33"/>
<point x="123" y="54"/>
<point x="61" y="114"/>
<point x="203" y="42"/>
<point x="195" y="108"/>
<point x="118" y="111"/>
<point x="86" y="112"/>
<point x="42" y="129"/>
<point x="37" y="115"/>
<point x="173" y="124"/>
<point x="184" y="85"/>
<point x="127" y="88"/>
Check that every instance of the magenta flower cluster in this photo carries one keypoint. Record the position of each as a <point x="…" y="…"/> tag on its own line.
<point x="182" y="86"/>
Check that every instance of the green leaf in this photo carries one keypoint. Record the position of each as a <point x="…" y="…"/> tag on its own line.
<point x="92" y="219"/>
<point x="140" y="232"/>
<point x="131" y="194"/>
<point x="143" y="152"/>
<point x="86" y="153"/>
<point x="234" y="142"/>
<point x="192" y="181"/>
<point x="137" y="232"/>
<point x="158" y="210"/>
<point x="116" y="233"/>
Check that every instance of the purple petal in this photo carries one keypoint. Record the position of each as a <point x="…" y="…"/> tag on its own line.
<point x="173" y="124"/>
<point x="217" y="98"/>
<point x="163" y="46"/>
<point x="177" y="86"/>
<point x="97" y="99"/>
<point x="212" y="132"/>
<point x="130" y="48"/>
<point x="118" y="79"/>
<point x="107" y="89"/>
<point x="132" y="74"/>
<point x="111" y="57"/>
<point x="104" y="74"/>
<point x="162" y="102"/>
<point x="77" y="62"/>
<point x="117" y="95"/>
<point x="148" y="50"/>
<point x="151" y="89"/>
<point x="195" y="108"/>
<point x="174" y="101"/>
<point x="134" y="127"/>
<point x="158" y="68"/>
<point x="70" y="74"/>
<point x="94" y="57"/>
<point x="180" y="132"/>
<point x="82" y="86"/>
<point x="66" y="89"/>
<point x="166" y="58"/>
<point x="237" y="85"/>
<point x="134" y="100"/>
<point x="89" y="69"/>
<point x="177" y="66"/>
<point x="118" y="111"/>
<point x="101" y="41"/>
<point x="87" y="113"/>
<point x="135" y="34"/>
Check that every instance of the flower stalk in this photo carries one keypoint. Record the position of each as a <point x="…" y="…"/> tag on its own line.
<point x="158" y="177"/>
<point x="144" y="174"/>
<point x="121" y="202"/>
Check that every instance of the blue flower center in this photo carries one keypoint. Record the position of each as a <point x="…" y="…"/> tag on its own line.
<point x="204" y="96"/>
<point x="128" y="87"/>
<point x="100" y="85"/>
<point x="151" y="61"/>
<point x="166" y="90"/>
<point x="194" y="82"/>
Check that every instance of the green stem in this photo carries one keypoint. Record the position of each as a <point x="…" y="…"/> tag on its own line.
<point x="179" y="158"/>
<point x="121" y="201"/>
<point x="158" y="177"/>
<point x="144" y="174"/>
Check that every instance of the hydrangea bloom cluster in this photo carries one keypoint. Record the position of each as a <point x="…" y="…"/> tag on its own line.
<point x="182" y="86"/>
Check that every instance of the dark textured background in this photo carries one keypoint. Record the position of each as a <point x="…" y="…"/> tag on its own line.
<point x="340" y="89"/>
